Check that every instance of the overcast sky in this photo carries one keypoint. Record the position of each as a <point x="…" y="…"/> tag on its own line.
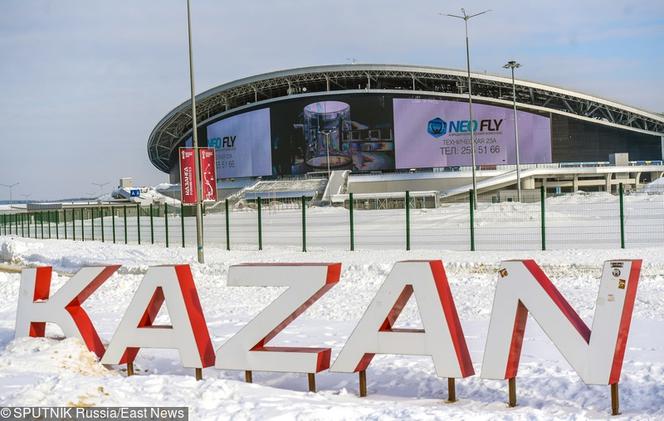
<point x="83" y="83"/>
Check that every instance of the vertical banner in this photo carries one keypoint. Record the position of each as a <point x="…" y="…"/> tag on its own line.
<point x="187" y="184"/>
<point x="208" y="173"/>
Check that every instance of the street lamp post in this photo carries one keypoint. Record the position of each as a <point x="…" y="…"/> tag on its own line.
<point x="466" y="18"/>
<point x="10" y="187"/>
<point x="514" y="65"/>
<point x="197" y="164"/>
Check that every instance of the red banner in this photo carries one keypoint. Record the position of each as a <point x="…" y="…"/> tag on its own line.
<point x="187" y="181"/>
<point x="209" y="173"/>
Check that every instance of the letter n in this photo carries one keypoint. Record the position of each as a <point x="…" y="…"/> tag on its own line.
<point x="596" y="355"/>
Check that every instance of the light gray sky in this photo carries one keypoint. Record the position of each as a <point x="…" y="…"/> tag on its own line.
<point x="82" y="83"/>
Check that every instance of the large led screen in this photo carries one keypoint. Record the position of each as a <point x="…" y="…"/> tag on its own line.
<point x="340" y="132"/>
<point x="370" y="132"/>
<point x="242" y="144"/>
<point x="436" y="133"/>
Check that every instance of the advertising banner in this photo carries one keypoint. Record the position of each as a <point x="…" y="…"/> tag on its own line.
<point x="340" y="132"/>
<point x="187" y="183"/>
<point x="208" y="173"/>
<point x="435" y="133"/>
<point x="242" y="143"/>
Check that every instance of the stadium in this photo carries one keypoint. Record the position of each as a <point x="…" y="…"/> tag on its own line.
<point x="376" y="129"/>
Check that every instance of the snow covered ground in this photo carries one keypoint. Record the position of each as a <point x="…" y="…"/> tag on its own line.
<point x="63" y="372"/>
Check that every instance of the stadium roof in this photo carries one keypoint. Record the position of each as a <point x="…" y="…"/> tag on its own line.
<point x="396" y="79"/>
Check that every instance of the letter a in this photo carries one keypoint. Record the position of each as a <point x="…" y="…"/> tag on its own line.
<point x="35" y="308"/>
<point x="442" y="337"/>
<point x="188" y="333"/>
<point x="596" y="354"/>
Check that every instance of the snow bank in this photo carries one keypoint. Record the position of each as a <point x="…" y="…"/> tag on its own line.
<point x="61" y="372"/>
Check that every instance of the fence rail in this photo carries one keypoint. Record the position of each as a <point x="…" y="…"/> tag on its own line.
<point x="598" y="220"/>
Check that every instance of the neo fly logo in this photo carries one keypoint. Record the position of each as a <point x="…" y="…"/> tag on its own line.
<point x="437" y="127"/>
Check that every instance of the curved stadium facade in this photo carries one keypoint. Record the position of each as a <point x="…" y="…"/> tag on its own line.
<point x="389" y="118"/>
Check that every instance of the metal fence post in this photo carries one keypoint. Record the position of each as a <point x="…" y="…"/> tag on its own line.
<point x="138" y="222"/>
<point x="41" y="223"/>
<point x="124" y="209"/>
<point x="101" y="213"/>
<point x="182" y="222"/>
<point x="228" y="228"/>
<point x="304" y="224"/>
<point x="407" y="220"/>
<point x="48" y="216"/>
<point x="260" y="228"/>
<point x="73" y="224"/>
<point x="151" y="225"/>
<point x="113" y="222"/>
<point x="92" y="223"/>
<point x="543" y="215"/>
<point x="29" y="227"/>
<point x="57" y="225"/>
<point x="352" y="222"/>
<point x="64" y="220"/>
<point x="22" y="225"/>
<point x="166" y="222"/>
<point x="621" y="193"/>
<point x="471" y="201"/>
<point x="82" y="225"/>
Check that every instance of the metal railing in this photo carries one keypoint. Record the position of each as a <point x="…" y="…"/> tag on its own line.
<point x="547" y="221"/>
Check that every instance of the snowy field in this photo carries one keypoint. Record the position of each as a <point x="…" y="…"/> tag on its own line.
<point x="63" y="372"/>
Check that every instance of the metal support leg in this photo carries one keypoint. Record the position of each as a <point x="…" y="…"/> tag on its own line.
<point x="199" y="374"/>
<point x="511" y="383"/>
<point x="615" y="400"/>
<point x="312" y="382"/>
<point x="248" y="377"/>
<point x="363" y="383"/>
<point x="451" y="390"/>
<point x="130" y="369"/>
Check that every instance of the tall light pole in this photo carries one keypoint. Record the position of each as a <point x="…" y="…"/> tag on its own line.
<point x="10" y="187"/>
<point x="197" y="164"/>
<point x="514" y="65"/>
<point x="466" y="18"/>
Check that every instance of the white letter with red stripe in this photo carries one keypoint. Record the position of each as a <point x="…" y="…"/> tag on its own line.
<point x="248" y="350"/>
<point x="36" y="308"/>
<point x="596" y="354"/>
<point x="188" y="332"/>
<point x="442" y="336"/>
